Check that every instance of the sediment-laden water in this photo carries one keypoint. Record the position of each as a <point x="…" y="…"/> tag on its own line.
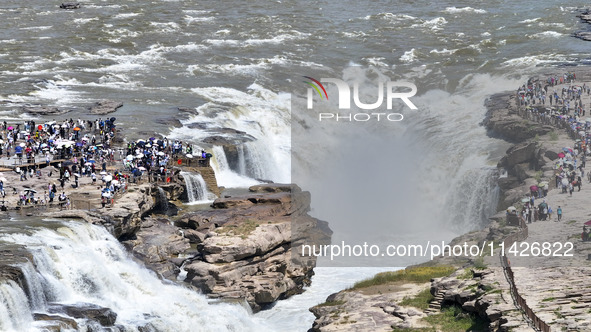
<point x="235" y="65"/>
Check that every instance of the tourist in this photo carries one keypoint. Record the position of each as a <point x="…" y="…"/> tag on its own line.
<point x="559" y="213"/>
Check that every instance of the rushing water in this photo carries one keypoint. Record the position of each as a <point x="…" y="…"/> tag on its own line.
<point x="196" y="188"/>
<point x="82" y="263"/>
<point x="234" y="65"/>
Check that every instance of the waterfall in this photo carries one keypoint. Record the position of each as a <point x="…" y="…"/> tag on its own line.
<point x="224" y="175"/>
<point x="242" y="169"/>
<point x="15" y="314"/>
<point x="265" y="155"/>
<point x="83" y="263"/>
<point x="162" y="203"/>
<point x="196" y="187"/>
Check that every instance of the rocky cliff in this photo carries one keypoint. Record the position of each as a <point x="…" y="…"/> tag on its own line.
<point x="124" y="218"/>
<point x="478" y="295"/>
<point x="246" y="245"/>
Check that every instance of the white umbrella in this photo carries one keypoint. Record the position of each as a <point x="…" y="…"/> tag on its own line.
<point x="511" y="208"/>
<point x="129" y="157"/>
<point x="141" y="168"/>
<point x="108" y="178"/>
<point x="115" y="182"/>
<point x="22" y="145"/>
<point x="139" y="155"/>
<point x="106" y="195"/>
<point x="189" y="155"/>
<point x="161" y="153"/>
<point x="103" y="173"/>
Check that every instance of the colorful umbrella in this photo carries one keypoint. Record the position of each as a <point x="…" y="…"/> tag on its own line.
<point x="10" y="128"/>
<point x="76" y="128"/>
<point x="561" y="155"/>
<point x="588" y="223"/>
<point x="533" y="188"/>
<point x="40" y="127"/>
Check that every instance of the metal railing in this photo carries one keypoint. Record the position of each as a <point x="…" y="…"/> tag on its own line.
<point x="519" y="301"/>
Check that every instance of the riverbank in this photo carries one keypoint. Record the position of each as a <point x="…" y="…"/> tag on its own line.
<point x="479" y="294"/>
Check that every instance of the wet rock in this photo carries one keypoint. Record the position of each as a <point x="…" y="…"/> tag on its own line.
<point x="189" y="110"/>
<point x="585" y="16"/>
<point x="197" y="125"/>
<point x="156" y="243"/>
<point x="171" y="122"/>
<point x="44" y="110"/>
<point x="105" y="107"/>
<point x="56" y="322"/>
<point x="70" y="5"/>
<point x="11" y="258"/>
<point x="230" y="141"/>
<point x="584" y="35"/>
<point x="92" y="312"/>
<point x="274" y="188"/>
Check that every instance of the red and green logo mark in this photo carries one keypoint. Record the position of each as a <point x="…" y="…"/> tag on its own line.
<point x="315" y="86"/>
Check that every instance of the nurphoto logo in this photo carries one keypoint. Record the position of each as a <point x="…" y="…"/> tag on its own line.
<point x="344" y="99"/>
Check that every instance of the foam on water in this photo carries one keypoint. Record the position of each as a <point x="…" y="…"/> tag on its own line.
<point x="126" y="15"/>
<point x="456" y="10"/>
<point x="435" y="24"/>
<point x="530" y="20"/>
<point x="268" y="157"/>
<point x="108" y="277"/>
<point x="410" y="56"/>
<point x="547" y="34"/>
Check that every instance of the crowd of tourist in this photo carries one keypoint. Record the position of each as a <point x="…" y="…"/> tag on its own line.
<point x="63" y="153"/>
<point x="563" y="107"/>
